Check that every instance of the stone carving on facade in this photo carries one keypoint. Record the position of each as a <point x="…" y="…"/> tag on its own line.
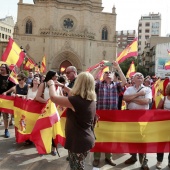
<point x="62" y="33"/>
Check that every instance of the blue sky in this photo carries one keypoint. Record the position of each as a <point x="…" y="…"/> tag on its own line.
<point x="128" y="11"/>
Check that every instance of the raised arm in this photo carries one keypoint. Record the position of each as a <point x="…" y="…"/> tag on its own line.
<point x="122" y="76"/>
<point x="60" y="100"/>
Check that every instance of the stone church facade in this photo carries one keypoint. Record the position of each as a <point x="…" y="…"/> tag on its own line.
<point x="67" y="32"/>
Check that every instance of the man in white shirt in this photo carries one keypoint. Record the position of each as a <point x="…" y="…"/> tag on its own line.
<point x="138" y="97"/>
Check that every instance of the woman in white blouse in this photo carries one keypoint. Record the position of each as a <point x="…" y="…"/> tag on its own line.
<point x="33" y="89"/>
<point x="43" y="95"/>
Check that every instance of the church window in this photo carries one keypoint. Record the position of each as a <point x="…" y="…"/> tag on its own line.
<point x="68" y="23"/>
<point x="28" y="29"/>
<point x="104" y="34"/>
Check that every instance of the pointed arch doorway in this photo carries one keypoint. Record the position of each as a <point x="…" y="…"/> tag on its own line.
<point x="65" y="59"/>
<point x="64" y="65"/>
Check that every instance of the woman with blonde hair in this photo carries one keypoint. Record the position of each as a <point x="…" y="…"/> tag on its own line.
<point x="81" y="104"/>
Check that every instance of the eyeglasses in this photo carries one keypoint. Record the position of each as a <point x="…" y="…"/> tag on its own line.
<point x="68" y="72"/>
<point x="19" y="79"/>
<point x="107" y="72"/>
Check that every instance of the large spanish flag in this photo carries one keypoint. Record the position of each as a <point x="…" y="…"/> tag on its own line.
<point x="130" y="51"/>
<point x="137" y="131"/>
<point x="13" y="54"/>
<point x="43" y="65"/>
<point x="131" y="70"/>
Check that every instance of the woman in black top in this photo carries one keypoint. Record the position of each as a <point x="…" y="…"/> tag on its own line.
<point x="81" y="104"/>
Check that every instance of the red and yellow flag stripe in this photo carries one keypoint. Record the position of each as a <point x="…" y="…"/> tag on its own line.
<point x="13" y="54"/>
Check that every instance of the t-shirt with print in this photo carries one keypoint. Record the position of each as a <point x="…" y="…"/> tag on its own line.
<point x="5" y="84"/>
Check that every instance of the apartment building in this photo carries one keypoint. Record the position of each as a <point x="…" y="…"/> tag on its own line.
<point x="125" y="37"/>
<point x="149" y="25"/>
<point x="6" y="28"/>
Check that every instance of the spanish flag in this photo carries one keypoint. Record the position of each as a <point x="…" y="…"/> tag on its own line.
<point x="13" y="77"/>
<point x="131" y="70"/>
<point x="130" y="51"/>
<point x="103" y="62"/>
<point x="43" y="65"/>
<point x="137" y="131"/>
<point x="167" y="65"/>
<point x="158" y="91"/>
<point x="13" y="54"/>
<point x="106" y="64"/>
<point x="29" y="64"/>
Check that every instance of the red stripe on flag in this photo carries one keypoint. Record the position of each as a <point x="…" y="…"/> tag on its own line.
<point x="118" y="147"/>
<point x="131" y="54"/>
<point x="29" y="105"/>
<point x="133" y="116"/>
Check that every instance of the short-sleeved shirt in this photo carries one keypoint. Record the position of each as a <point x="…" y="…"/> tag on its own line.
<point x="107" y="95"/>
<point x="133" y="90"/>
<point x="79" y="125"/>
<point x="5" y="84"/>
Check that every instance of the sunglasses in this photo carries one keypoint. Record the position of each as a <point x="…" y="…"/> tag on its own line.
<point x="107" y="72"/>
<point x="19" y="79"/>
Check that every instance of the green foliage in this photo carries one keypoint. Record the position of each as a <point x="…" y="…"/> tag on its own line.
<point x="139" y="68"/>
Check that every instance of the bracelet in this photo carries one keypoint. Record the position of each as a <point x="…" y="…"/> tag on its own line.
<point x="51" y="84"/>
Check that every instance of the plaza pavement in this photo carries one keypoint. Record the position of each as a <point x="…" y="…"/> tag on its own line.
<point x="15" y="156"/>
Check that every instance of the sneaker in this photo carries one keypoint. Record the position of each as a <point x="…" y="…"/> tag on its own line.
<point x="7" y="134"/>
<point x="159" y="165"/>
<point x="145" y="165"/>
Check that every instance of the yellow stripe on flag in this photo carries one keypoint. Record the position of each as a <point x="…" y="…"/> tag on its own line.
<point x="140" y="132"/>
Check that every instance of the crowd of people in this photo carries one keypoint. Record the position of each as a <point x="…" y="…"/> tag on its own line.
<point x="83" y="94"/>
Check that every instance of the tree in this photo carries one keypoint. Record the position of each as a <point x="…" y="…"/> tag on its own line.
<point x="139" y="68"/>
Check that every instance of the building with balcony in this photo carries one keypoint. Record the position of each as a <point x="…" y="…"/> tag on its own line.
<point x="125" y="37"/>
<point x="149" y="25"/>
<point x="6" y="28"/>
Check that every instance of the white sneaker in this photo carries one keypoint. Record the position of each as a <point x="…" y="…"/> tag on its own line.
<point x="159" y="165"/>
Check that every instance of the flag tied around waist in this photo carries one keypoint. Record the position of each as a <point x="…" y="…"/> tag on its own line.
<point x="137" y="131"/>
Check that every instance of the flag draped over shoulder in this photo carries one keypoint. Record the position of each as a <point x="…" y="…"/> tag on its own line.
<point x="13" y="54"/>
<point x="131" y="70"/>
<point x="130" y="51"/>
<point x="29" y="64"/>
<point x="43" y="65"/>
<point x="167" y="65"/>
